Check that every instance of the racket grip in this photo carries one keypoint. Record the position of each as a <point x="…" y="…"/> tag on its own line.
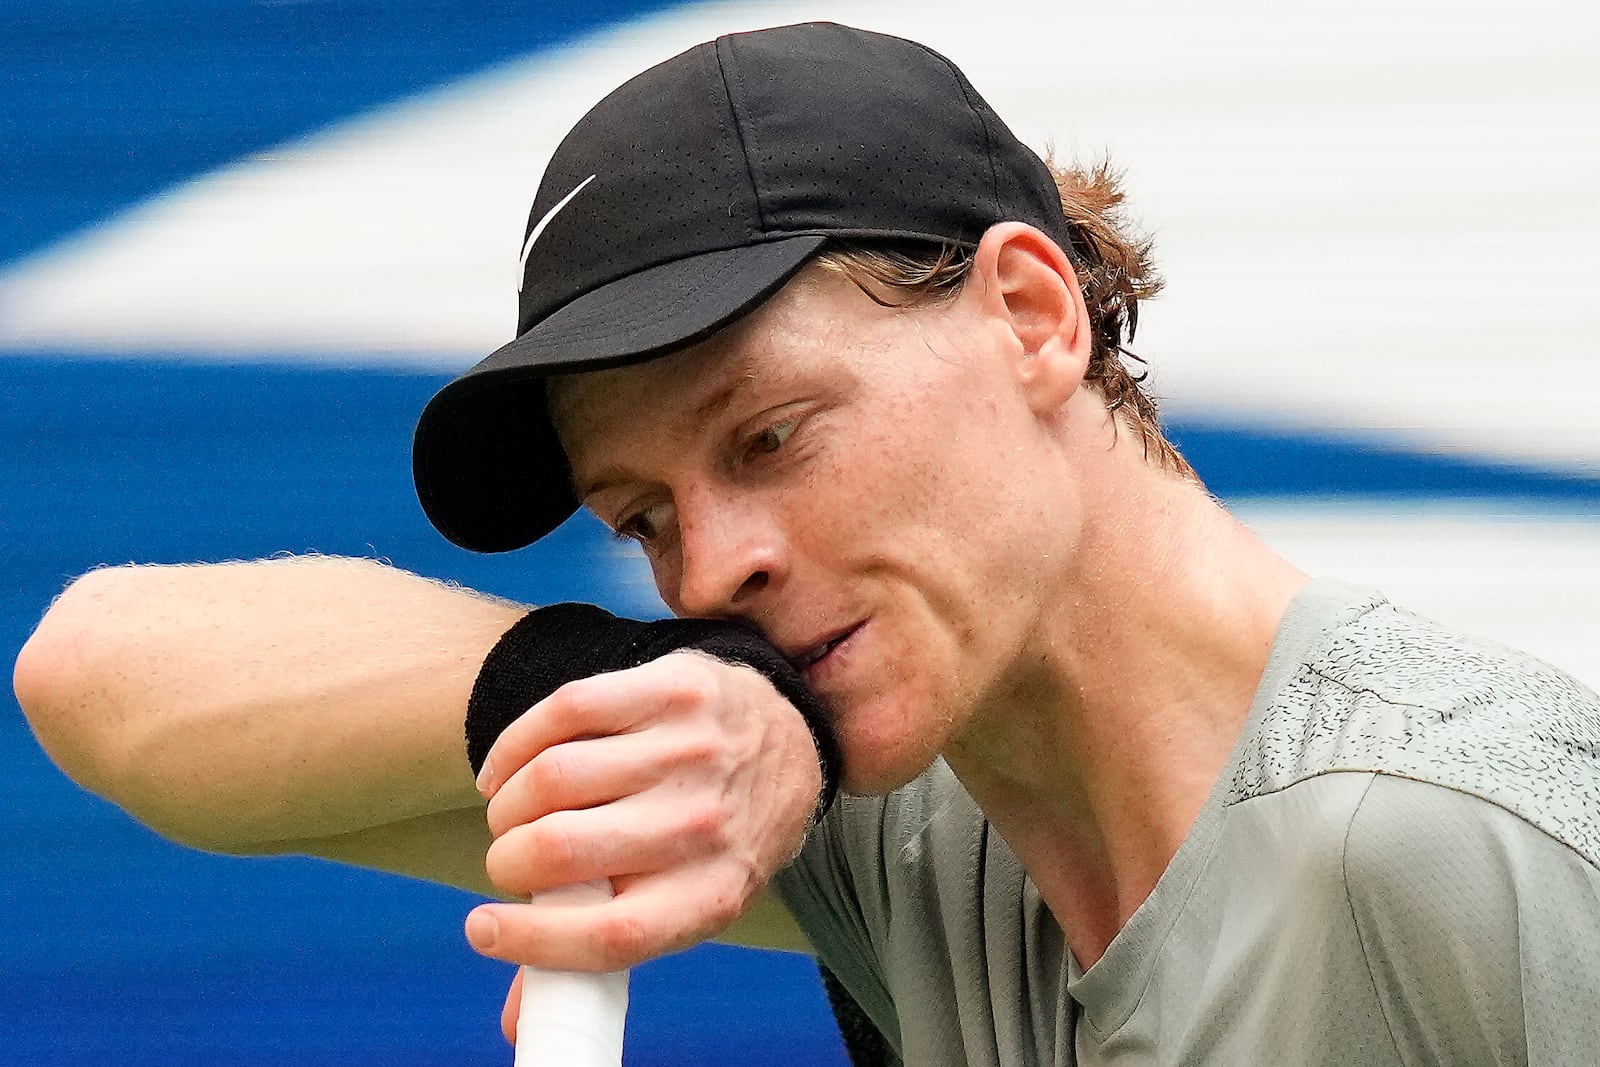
<point x="572" y="1018"/>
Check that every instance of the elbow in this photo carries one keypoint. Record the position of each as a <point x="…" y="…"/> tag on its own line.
<point x="98" y="692"/>
<point x="74" y="682"/>
<point x="60" y="683"/>
<point x="36" y="674"/>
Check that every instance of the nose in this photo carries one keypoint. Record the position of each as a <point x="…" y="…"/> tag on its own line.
<point x="731" y="555"/>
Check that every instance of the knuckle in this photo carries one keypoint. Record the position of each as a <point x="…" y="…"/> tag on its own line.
<point x="724" y="906"/>
<point x="706" y="822"/>
<point x="701" y="748"/>
<point x="554" y="844"/>
<point x="693" y="683"/>
<point x="550" y="774"/>
<point x="623" y="940"/>
<point x="568" y="708"/>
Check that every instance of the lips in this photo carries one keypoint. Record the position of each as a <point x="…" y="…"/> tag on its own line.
<point x="814" y="653"/>
<point x="810" y="656"/>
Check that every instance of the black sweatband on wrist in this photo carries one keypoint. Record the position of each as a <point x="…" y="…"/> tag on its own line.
<point x="549" y="647"/>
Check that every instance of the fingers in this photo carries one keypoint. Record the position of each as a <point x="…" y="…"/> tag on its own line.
<point x="512" y="1009"/>
<point x="575" y="775"/>
<point x="635" y="835"/>
<point x="601" y="705"/>
<point x="598" y="770"/>
<point x="650" y="917"/>
<point x="687" y="782"/>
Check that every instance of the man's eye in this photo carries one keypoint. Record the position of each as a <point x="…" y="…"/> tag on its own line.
<point x="772" y="438"/>
<point x="640" y="526"/>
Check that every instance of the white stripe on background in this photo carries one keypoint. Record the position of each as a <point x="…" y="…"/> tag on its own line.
<point x="1378" y="213"/>
<point x="1524" y="578"/>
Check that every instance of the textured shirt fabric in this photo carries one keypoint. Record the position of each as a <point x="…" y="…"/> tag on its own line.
<point x="1398" y="865"/>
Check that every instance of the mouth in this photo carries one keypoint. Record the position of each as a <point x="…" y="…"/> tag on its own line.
<point x="816" y="653"/>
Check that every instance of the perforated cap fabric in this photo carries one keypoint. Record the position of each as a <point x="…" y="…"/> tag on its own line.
<point x="682" y="201"/>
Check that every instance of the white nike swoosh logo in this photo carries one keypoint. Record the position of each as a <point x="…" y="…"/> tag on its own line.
<point x="527" y="246"/>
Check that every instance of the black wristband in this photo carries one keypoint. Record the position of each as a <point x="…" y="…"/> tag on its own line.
<point x="549" y="647"/>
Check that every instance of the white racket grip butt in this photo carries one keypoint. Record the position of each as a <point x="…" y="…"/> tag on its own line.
<point x="572" y="1018"/>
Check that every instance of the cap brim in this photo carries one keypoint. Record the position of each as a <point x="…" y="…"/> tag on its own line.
<point x="489" y="470"/>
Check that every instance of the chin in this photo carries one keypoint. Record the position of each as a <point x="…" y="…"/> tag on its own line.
<point x="883" y="752"/>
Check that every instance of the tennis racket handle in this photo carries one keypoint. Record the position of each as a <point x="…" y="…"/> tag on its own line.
<point x="572" y="1018"/>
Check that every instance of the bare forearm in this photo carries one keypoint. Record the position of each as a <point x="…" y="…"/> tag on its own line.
<point x="307" y="706"/>
<point x="240" y="706"/>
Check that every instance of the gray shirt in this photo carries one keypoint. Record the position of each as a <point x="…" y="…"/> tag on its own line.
<point x="1396" y="866"/>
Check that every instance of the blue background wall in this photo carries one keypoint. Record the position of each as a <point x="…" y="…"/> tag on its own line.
<point x="117" y="947"/>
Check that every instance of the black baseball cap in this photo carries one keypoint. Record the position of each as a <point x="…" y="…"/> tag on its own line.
<point x="682" y="201"/>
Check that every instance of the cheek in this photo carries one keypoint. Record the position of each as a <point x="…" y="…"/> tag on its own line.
<point x="963" y="558"/>
<point x="956" y="522"/>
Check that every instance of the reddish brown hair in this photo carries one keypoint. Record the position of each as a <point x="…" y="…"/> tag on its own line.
<point x="1115" y="271"/>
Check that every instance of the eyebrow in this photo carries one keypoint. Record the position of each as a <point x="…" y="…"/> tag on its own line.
<point x="719" y="401"/>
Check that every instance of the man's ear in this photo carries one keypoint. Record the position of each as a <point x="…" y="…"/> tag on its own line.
<point x="1030" y="286"/>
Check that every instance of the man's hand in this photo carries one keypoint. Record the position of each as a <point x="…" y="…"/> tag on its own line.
<point x="686" y="781"/>
<point x="511" y="1011"/>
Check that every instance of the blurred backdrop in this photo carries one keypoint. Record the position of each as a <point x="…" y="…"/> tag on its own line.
<point x="242" y="242"/>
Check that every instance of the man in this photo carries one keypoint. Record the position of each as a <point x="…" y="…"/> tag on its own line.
<point x="801" y="317"/>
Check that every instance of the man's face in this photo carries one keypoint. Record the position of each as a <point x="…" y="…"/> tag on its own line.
<point x="866" y="485"/>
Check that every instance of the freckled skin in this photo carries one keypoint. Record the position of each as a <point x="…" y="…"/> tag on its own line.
<point x="915" y="494"/>
<point x="1077" y="631"/>
<point x="927" y="507"/>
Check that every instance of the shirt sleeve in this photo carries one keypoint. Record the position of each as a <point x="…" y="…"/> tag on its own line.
<point x="1481" y="932"/>
<point x="835" y="891"/>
